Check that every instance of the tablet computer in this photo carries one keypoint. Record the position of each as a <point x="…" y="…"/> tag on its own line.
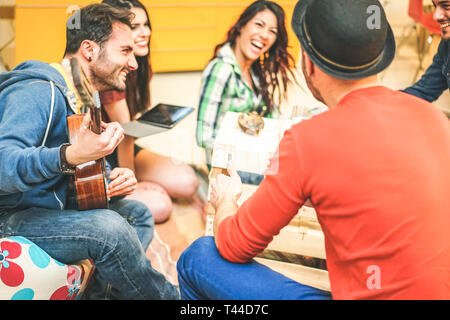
<point x="165" y="115"/>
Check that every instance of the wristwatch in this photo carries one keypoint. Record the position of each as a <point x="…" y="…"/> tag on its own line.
<point x="66" y="168"/>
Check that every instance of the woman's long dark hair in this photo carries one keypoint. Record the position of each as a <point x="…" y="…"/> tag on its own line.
<point x="138" y="89"/>
<point x="276" y="62"/>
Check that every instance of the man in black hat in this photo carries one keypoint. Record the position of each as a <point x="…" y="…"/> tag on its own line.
<point x="437" y="77"/>
<point x="375" y="168"/>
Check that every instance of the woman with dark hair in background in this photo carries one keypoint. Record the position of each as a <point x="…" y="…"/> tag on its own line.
<point x="159" y="178"/>
<point x="246" y="70"/>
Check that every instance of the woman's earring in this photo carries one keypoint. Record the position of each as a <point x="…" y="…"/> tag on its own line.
<point x="90" y="59"/>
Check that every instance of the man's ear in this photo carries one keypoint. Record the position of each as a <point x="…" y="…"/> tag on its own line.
<point x="89" y="50"/>
<point x="309" y="65"/>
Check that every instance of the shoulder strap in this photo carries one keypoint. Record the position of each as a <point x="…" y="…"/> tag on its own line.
<point x="77" y="104"/>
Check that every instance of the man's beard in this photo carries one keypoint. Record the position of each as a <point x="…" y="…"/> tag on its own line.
<point x="445" y="33"/>
<point x="315" y="92"/>
<point x="105" y="75"/>
<point x="445" y="36"/>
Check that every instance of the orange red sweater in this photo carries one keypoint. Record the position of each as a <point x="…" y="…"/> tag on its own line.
<point x="377" y="170"/>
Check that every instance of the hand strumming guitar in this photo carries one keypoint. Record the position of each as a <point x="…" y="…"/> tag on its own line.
<point x="123" y="182"/>
<point x="225" y="187"/>
<point x="225" y="192"/>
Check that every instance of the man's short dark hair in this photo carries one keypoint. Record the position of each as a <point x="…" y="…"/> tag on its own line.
<point x="96" y="23"/>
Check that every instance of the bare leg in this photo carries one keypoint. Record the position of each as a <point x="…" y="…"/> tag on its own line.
<point x="155" y="198"/>
<point x="178" y="179"/>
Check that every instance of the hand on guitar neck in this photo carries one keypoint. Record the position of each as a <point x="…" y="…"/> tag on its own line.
<point x="90" y="146"/>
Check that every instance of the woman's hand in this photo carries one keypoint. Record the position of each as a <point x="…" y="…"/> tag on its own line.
<point x="123" y="182"/>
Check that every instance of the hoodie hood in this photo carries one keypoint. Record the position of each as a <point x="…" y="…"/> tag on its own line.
<point x="31" y="70"/>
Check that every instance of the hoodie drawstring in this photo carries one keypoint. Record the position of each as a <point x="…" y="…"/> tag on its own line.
<point x="52" y="106"/>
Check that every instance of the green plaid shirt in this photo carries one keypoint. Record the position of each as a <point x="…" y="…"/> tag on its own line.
<point x="223" y="89"/>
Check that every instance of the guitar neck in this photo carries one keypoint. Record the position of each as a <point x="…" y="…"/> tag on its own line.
<point x="88" y="95"/>
<point x="96" y="120"/>
<point x="96" y="114"/>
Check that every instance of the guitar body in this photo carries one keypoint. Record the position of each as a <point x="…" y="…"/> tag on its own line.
<point x="90" y="178"/>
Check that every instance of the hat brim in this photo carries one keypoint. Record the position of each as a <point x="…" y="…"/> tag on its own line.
<point x="387" y="56"/>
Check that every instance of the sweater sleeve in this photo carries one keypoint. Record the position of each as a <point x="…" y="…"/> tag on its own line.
<point x="24" y="163"/>
<point x="433" y="82"/>
<point x="273" y="205"/>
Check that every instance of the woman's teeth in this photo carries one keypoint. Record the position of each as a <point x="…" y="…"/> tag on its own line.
<point x="257" y="44"/>
<point x="141" y="43"/>
<point x="445" y="25"/>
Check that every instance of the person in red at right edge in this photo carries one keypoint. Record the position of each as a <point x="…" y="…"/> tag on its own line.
<point x="375" y="167"/>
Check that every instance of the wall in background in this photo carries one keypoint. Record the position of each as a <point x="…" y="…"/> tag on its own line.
<point x="185" y="31"/>
<point x="7" y="33"/>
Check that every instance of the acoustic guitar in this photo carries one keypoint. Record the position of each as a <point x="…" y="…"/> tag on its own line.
<point x="90" y="178"/>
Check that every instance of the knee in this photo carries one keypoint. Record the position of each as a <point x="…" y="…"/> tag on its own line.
<point x="187" y="185"/>
<point x="139" y="214"/>
<point x="204" y="245"/>
<point x="197" y="252"/>
<point x="113" y="231"/>
<point x="161" y="209"/>
<point x="156" y="199"/>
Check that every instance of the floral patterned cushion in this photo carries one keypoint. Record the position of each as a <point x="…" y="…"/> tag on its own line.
<point x="28" y="273"/>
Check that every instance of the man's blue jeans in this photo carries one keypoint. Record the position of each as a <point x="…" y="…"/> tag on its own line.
<point x="203" y="274"/>
<point x="115" y="239"/>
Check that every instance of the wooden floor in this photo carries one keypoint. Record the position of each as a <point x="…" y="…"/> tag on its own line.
<point x="172" y="237"/>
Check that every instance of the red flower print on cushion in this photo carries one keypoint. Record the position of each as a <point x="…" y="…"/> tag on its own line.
<point x="70" y="291"/>
<point x="11" y="274"/>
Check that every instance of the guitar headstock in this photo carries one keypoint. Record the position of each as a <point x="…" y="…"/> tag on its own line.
<point x="88" y="95"/>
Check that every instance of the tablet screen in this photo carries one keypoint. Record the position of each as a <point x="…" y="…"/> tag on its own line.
<point x="165" y="115"/>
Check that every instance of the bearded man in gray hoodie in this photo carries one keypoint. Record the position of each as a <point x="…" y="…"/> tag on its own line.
<point x="35" y="100"/>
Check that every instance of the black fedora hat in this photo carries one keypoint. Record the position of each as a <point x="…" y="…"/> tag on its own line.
<point x="347" y="39"/>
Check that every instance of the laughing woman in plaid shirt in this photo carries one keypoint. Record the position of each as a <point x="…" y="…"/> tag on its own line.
<point x="242" y="76"/>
